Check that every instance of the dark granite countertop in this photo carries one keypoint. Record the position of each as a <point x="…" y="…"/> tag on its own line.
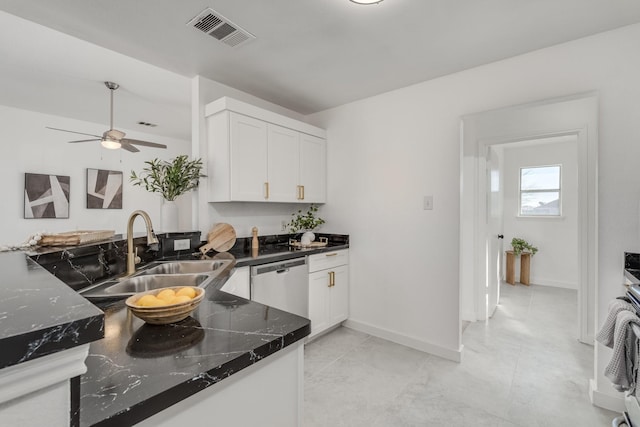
<point x="137" y="370"/>
<point x="39" y="314"/>
<point x="632" y="267"/>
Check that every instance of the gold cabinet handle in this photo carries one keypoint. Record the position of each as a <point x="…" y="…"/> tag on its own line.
<point x="333" y="254"/>
<point x="266" y="190"/>
<point x="302" y="186"/>
<point x="299" y="188"/>
<point x="332" y="279"/>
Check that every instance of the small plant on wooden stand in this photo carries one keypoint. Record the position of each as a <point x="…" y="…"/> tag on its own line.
<point x="305" y="221"/>
<point x="521" y="245"/>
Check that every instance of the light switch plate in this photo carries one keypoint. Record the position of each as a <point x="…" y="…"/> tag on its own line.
<point x="428" y="203"/>
<point x="181" y="245"/>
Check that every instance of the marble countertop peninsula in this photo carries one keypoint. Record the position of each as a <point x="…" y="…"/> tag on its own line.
<point x="39" y="314"/>
<point x="134" y="369"/>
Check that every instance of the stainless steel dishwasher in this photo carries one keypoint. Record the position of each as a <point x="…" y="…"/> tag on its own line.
<point x="283" y="285"/>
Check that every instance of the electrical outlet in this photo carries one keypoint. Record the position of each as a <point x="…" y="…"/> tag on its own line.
<point x="428" y="203"/>
<point x="283" y="225"/>
<point x="181" y="245"/>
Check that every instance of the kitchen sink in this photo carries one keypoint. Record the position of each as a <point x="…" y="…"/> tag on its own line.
<point x="136" y="284"/>
<point x="184" y="267"/>
<point x="157" y="275"/>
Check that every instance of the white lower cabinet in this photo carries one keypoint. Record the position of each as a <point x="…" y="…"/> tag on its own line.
<point x="239" y="283"/>
<point x="267" y="393"/>
<point x="328" y="290"/>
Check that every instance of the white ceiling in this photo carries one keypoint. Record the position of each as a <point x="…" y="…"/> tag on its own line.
<point x="309" y="55"/>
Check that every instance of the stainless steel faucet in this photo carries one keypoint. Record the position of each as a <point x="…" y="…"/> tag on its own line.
<point x="132" y="257"/>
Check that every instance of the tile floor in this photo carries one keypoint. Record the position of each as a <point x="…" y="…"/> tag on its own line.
<point x="522" y="368"/>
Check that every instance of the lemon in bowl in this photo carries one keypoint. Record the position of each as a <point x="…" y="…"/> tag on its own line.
<point x="165" y="305"/>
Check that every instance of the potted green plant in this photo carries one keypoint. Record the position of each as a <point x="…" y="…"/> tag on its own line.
<point x="305" y="223"/>
<point x="171" y="179"/>
<point x="521" y="245"/>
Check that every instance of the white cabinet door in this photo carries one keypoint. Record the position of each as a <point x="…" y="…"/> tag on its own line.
<point x="339" y="295"/>
<point x="328" y="296"/>
<point x="248" y="157"/>
<point x="252" y="160"/>
<point x="313" y="168"/>
<point x="319" y="301"/>
<point x="283" y="163"/>
<point x="239" y="283"/>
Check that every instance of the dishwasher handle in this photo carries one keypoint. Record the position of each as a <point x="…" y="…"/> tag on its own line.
<point x="278" y="267"/>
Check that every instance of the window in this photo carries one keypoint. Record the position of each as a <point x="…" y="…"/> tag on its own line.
<point x="540" y="191"/>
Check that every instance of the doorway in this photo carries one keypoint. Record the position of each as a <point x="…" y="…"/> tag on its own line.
<point x="570" y="116"/>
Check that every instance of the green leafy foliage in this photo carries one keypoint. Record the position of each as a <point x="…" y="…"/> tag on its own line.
<point x="169" y="178"/>
<point x="520" y="245"/>
<point x="305" y="221"/>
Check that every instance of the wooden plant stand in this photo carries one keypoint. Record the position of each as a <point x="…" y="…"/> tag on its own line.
<point x="525" y="267"/>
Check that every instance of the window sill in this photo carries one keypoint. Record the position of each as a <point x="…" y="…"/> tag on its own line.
<point x="541" y="217"/>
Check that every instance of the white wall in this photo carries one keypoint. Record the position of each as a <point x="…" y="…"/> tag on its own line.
<point x="27" y="146"/>
<point x="387" y="151"/>
<point x="556" y="263"/>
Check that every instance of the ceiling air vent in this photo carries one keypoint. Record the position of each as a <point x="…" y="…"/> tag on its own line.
<point x="211" y="22"/>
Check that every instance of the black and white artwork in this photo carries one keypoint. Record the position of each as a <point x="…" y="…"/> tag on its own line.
<point x="46" y="196"/>
<point x="104" y="189"/>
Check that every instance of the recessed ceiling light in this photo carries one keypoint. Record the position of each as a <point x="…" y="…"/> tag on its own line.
<point x="367" y="1"/>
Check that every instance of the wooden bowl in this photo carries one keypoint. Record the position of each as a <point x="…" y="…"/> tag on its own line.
<point x="167" y="313"/>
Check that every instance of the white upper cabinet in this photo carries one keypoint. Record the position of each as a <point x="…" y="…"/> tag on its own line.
<point x="313" y="169"/>
<point x="248" y="151"/>
<point x="257" y="155"/>
<point x="283" y="163"/>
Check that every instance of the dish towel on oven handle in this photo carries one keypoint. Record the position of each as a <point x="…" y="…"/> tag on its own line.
<point x="605" y="335"/>
<point x="622" y="369"/>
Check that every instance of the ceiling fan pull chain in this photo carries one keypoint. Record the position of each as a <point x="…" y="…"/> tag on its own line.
<point x="111" y="110"/>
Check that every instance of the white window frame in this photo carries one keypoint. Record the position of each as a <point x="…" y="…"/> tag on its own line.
<point x="541" y="190"/>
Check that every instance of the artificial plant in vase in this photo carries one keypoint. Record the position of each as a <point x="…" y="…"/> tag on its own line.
<point x="521" y="245"/>
<point x="171" y="179"/>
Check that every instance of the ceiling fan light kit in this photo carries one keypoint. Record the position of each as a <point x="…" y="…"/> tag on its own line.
<point x="111" y="145"/>
<point x="113" y="138"/>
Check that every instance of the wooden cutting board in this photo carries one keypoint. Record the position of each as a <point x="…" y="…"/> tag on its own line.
<point x="75" y="238"/>
<point x="221" y="238"/>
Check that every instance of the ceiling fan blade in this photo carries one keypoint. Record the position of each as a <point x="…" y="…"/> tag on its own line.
<point x="71" y="131"/>
<point x="84" y="140"/>
<point x="128" y="147"/>
<point x="143" y="143"/>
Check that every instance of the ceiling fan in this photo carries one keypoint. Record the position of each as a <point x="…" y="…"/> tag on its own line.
<point x="113" y="138"/>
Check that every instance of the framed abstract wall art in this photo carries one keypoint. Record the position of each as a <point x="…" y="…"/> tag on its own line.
<point x="46" y="196"/>
<point x="104" y="189"/>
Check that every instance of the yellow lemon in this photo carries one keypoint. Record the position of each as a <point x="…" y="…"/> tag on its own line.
<point x="186" y="291"/>
<point x="180" y="299"/>
<point x="166" y="294"/>
<point x="149" y="301"/>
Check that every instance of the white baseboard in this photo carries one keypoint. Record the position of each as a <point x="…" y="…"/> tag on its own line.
<point x="605" y="400"/>
<point x="588" y="340"/>
<point x="398" y="338"/>
<point x="554" y="283"/>
<point x="468" y="316"/>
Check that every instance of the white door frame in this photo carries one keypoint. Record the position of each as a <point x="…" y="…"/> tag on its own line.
<point x="572" y="115"/>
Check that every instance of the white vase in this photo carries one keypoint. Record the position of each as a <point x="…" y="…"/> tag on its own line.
<point x="307" y="238"/>
<point x="169" y="216"/>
